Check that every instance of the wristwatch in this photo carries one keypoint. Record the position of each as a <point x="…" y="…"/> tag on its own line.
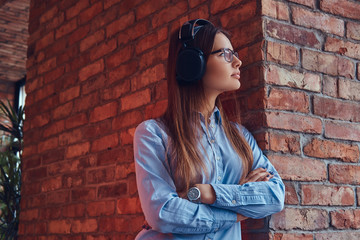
<point x="194" y="194"/>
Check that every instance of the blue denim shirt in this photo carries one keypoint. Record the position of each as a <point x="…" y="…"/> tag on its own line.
<point x="172" y="217"/>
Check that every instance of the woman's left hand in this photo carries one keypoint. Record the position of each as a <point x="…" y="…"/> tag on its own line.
<point x="208" y="195"/>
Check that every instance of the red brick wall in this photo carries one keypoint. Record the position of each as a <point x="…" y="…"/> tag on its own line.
<point x="96" y="69"/>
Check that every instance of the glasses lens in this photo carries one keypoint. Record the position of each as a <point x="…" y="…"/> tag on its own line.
<point x="228" y="55"/>
<point x="236" y="54"/>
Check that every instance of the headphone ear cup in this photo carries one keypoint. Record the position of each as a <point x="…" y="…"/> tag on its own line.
<point x="190" y="65"/>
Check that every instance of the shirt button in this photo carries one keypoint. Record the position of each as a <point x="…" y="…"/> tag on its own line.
<point x="217" y="158"/>
<point x="219" y="178"/>
<point x="212" y="125"/>
<point x="212" y="140"/>
<point x="233" y="201"/>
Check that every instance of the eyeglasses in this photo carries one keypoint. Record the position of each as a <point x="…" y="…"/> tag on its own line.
<point x="228" y="54"/>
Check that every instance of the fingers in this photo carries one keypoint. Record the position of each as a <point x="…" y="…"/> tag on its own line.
<point x="257" y="175"/>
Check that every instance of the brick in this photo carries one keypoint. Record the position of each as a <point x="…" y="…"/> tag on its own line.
<point x="133" y="33"/>
<point x="103" y="49"/>
<point x="348" y="174"/>
<point x="83" y="194"/>
<point x="150" y="7"/>
<point x="274" y="9"/>
<point x="345" y="219"/>
<point x="70" y="166"/>
<point x="284" y="143"/>
<point x="54" y="128"/>
<point x="62" y="110"/>
<point x="148" y="76"/>
<point x="45" y="41"/>
<point x="135" y="100"/>
<point x="281" y="53"/>
<point x="353" y="30"/>
<point x="76" y="120"/>
<point x="99" y="129"/>
<point x="309" y="3"/>
<point x="29" y="215"/>
<point x="248" y="34"/>
<point x="40" y="120"/>
<point x="73" y="210"/>
<point x="92" y="40"/>
<point x="157" y="109"/>
<point x="169" y="13"/>
<point x="238" y="14"/>
<point x="101" y="208"/>
<point x="106" y="142"/>
<point x="349" y="89"/>
<point x="113" y="190"/>
<point x="281" y="76"/>
<point x="292" y="34"/>
<point x="329" y="149"/>
<point x="93" y="84"/>
<point x="101" y="175"/>
<point x="123" y="170"/>
<point x="318" y="20"/>
<point x="47" y="65"/>
<point x="304" y="219"/>
<point x="122" y="23"/>
<point x="127" y="119"/>
<point x="51" y="184"/>
<point x="128" y="206"/>
<point x="290" y="194"/>
<point x="218" y="5"/>
<point x="70" y="137"/>
<point x="91" y="70"/>
<point x="293" y="236"/>
<point x="345" y="8"/>
<point x="282" y="99"/>
<point x="104" y="112"/>
<point x="116" y="91"/>
<point x="119" y="57"/>
<point x="66" y="28"/>
<point x="59" y="226"/>
<point x="48" y="144"/>
<point x="49" y="14"/>
<point x="299" y="168"/>
<point x="152" y="40"/>
<point x="327" y="63"/>
<point x="84" y="226"/>
<point x="69" y="94"/>
<point x="117" y="155"/>
<point x="76" y="8"/>
<point x="346" y="48"/>
<point x="123" y="71"/>
<point x="330" y="86"/>
<point x="327" y="195"/>
<point x="90" y="12"/>
<point x="294" y="122"/>
<point x="77" y="150"/>
<point x="343" y="235"/>
<point x="332" y="108"/>
<point x="340" y="130"/>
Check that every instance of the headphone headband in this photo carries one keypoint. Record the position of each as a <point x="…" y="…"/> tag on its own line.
<point x="187" y="31"/>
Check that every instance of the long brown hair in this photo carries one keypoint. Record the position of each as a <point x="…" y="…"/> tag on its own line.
<point x="183" y="125"/>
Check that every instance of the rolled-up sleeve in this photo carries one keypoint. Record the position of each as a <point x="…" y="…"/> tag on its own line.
<point x="253" y="199"/>
<point x="164" y="210"/>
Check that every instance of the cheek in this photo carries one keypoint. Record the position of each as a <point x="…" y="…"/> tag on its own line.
<point x="216" y="75"/>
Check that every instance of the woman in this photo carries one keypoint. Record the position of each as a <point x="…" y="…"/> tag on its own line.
<point x="199" y="174"/>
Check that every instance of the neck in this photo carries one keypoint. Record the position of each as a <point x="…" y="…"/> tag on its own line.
<point x="209" y="105"/>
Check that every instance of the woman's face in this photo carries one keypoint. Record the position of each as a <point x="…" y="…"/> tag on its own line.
<point x="220" y="75"/>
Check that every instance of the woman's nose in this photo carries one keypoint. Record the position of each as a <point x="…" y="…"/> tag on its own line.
<point x="237" y="62"/>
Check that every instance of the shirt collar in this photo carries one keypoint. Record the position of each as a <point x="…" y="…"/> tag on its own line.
<point x="214" y="115"/>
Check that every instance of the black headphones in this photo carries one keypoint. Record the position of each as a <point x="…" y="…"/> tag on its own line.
<point x="190" y="62"/>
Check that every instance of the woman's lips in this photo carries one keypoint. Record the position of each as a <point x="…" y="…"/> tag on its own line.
<point x="237" y="75"/>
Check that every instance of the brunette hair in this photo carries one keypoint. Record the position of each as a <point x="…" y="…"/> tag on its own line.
<point x="183" y="126"/>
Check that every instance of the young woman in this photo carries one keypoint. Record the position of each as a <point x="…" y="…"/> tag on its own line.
<point x="199" y="174"/>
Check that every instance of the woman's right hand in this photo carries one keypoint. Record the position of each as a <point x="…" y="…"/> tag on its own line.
<point x="257" y="175"/>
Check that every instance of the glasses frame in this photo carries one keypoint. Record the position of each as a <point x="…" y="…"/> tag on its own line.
<point x="224" y="50"/>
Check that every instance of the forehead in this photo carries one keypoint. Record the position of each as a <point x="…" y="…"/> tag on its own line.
<point x="221" y="41"/>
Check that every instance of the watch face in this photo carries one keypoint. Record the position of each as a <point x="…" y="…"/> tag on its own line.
<point x="193" y="194"/>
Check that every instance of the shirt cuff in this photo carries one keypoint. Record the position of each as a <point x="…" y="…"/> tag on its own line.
<point x="223" y="218"/>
